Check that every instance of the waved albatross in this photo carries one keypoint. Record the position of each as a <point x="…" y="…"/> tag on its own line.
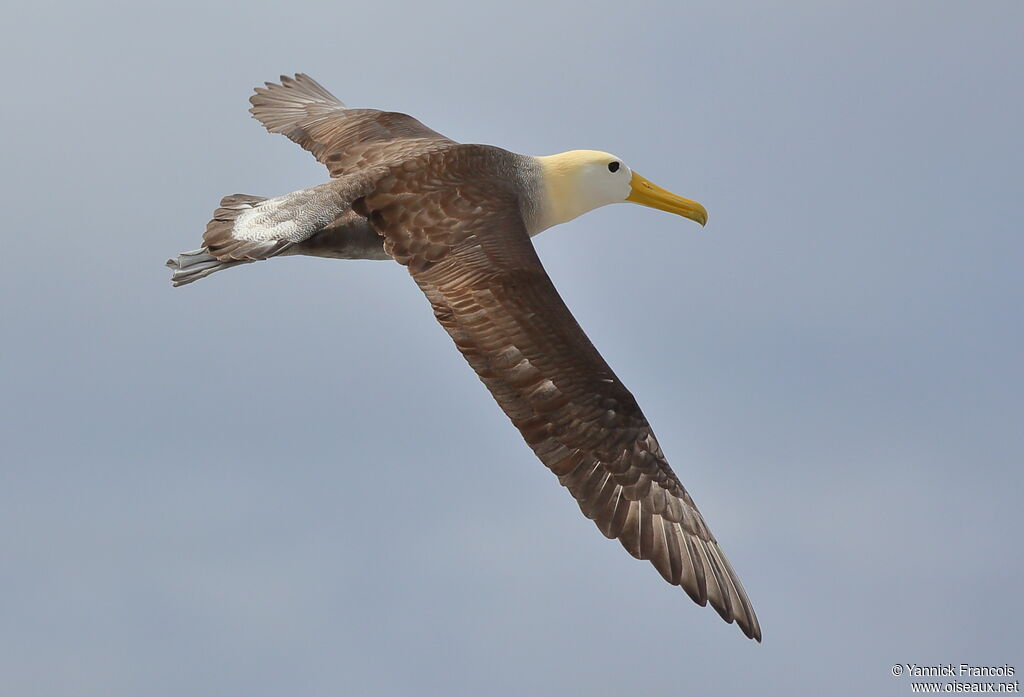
<point x="459" y="218"/>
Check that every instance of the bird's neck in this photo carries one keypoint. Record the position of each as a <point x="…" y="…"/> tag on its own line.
<point x="558" y="189"/>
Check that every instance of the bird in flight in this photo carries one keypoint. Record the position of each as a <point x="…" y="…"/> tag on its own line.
<point x="460" y="217"/>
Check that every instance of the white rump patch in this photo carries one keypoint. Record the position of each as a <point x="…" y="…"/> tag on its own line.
<point x="289" y="218"/>
<point x="293" y="217"/>
<point x="265" y="223"/>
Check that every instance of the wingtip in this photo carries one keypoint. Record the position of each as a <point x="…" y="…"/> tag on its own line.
<point x="752" y="632"/>
<point x="746" y="620"/>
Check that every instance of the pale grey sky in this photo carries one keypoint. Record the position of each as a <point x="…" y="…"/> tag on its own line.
<point x="283" y="480"/>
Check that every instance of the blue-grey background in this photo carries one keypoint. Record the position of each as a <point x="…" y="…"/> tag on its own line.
<point x="284" y="480"/>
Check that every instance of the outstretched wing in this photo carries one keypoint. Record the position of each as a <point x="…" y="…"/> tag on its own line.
<point x="471" y="255"/>
<point x="343" y="139"/>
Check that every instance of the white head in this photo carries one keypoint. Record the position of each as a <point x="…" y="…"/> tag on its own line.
<point x="581" y="180"/>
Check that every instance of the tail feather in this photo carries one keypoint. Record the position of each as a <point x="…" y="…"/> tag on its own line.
<point x="197" y="263"/>
<point x="317" y="221"/>
<point x="220" y="248"/>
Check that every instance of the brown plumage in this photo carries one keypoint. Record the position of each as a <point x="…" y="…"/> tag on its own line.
<point x="459" y="217"/>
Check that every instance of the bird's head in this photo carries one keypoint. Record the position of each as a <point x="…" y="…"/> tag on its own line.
<point x="581" y="180"/>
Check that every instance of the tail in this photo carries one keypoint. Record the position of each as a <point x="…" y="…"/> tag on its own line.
<point x="195" y="264"/>
<point x="221" y="250"/>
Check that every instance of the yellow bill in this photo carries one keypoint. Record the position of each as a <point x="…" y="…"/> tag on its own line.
<point x="646" y="193"/>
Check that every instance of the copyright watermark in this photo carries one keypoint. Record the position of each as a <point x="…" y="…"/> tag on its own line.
<point x="961" y="677"/>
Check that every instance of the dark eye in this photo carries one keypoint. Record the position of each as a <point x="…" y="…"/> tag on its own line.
<point x="613" y="166"/>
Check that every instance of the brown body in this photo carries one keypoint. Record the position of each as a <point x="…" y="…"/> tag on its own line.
<point x="459" y="217"/>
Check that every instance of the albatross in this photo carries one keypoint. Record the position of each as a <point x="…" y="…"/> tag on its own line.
<point x="460" y="217"/>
